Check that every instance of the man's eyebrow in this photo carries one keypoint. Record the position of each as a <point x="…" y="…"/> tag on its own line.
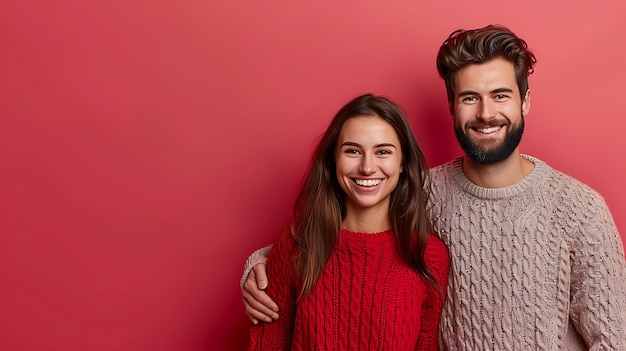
<point x="494" y="91"/>
<point x="501" y="90"/>
<point x="467" y="92"/>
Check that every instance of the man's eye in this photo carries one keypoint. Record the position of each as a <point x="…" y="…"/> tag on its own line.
<point x="470" y="99"/>
<point x="501" y="97"/>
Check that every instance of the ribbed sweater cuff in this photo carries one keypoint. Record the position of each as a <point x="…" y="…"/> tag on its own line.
<point x="258" y="256"/>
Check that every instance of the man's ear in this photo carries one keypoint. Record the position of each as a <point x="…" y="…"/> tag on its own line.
<point x="526" y="103"/>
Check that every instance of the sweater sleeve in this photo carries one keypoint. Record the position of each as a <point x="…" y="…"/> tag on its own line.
<point x="438" y="262"/>
<point x="258" y="256"/>
<point x="282" y="289"/>
<point x="598" y="279"/>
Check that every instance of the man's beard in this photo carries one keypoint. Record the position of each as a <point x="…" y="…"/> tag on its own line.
<point x="491" y="155"/>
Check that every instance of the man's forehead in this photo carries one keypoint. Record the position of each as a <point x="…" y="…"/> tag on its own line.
<point x="490" y="76"/>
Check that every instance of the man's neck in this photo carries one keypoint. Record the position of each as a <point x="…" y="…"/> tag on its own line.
<point x="500" y="174"/>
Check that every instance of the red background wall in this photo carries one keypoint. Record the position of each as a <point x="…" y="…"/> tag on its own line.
<point x="146" y="147"/>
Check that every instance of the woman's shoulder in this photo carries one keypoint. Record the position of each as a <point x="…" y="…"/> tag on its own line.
<point x="436" y="250"/>
<point x="286" y="237"/>
<point x="435" y="243"/>
<point x="437" y="259"/>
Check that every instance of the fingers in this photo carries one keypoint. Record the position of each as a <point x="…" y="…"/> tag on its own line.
<point x="256" y="311"/>
<point x="259" y="295"/>
<point x="259" y="306"/>
<point x="259" y="271"/>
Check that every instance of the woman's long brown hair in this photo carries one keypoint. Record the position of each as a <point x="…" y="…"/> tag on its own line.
<point x="320" y="209"/>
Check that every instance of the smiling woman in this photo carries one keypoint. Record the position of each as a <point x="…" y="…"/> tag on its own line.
<point x="360" y="224"/>
<point x="369" y="163"/>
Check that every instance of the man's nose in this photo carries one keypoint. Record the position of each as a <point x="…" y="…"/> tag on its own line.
<point x="486" y="110"/>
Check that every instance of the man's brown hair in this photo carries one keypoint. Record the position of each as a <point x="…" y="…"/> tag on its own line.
<point x="465" y="47"/>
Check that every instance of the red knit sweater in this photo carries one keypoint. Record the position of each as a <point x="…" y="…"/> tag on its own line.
<point x="366" y="298"/>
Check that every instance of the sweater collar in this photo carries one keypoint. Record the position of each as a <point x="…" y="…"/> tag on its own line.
<point x="538" y="173"/>
<point x="345" y="234"/>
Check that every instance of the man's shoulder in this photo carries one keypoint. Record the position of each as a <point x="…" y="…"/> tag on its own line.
<point x="559" y="177"/>
<point x="441" y="172"/>
<point x="445" y="167"/>
<point x="567" y="187"/>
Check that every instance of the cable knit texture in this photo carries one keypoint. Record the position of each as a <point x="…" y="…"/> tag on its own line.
<point x="365" y="299"/>
<point x="534" y="266"/>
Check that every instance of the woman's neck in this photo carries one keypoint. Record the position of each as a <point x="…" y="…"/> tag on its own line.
<point x="368" y="220"/>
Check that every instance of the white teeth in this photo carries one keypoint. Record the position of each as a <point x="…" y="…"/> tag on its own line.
<point x="488" y="130"/>
<point x="368" y="182"/>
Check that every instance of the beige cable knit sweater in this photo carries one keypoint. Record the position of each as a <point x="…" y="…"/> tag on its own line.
<point x="538" y="265"/>
<point x="526" y="260"/>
